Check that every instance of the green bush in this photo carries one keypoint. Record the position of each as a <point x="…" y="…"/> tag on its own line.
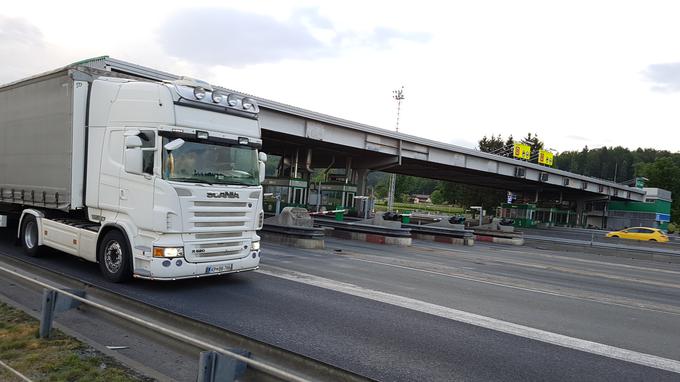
<point x="672" y="228"/>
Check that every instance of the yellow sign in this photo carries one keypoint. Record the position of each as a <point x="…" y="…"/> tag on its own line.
<point x="545" y="157"/>
<point x="522" y="151"/>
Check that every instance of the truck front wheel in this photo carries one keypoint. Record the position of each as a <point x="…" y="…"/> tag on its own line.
<point x="29" y="236"/>
<point x="114" y="257"/>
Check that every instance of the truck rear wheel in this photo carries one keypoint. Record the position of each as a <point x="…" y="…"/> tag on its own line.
<point x="114" y="257"/>
<point x="29" y="236"/>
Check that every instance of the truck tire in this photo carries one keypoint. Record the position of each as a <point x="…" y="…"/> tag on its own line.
<point x="114" y="257"/>
<point x="29" y="236"/>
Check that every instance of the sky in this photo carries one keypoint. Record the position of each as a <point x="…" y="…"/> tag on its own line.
<point x="577" y="73"/>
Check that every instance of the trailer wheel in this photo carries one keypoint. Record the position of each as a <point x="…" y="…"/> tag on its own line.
<point x="29" y="236"/>
<point x="114" y="257"/>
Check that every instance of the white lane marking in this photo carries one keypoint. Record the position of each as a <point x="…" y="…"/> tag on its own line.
<point x="567" y="258"/>
<point x="478" y="320"/>
<point x="510" y="286"/>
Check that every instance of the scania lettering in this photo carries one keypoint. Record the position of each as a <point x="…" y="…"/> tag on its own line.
<point x="145" y="173"/>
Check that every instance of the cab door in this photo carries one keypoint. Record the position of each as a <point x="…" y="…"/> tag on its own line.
<point x="137" y="190"/>
<point x="107" y="198"/>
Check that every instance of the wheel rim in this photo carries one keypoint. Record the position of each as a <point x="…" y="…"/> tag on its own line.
<point x="31" y="235"/>
<point x="113" y="256"/>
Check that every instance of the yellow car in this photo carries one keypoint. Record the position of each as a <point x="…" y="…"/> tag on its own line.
<point x="640" y="233"/>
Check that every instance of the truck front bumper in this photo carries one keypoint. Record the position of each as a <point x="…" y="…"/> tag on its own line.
<point x="179" y="268"/>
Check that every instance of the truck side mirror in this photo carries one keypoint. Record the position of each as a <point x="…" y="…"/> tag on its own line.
<point x="133" y="142"/>
<point x="262" y="157"/>
<point x="174" y="145"/>
<point x="134" y="156"/>
<point x="263" y="168"/>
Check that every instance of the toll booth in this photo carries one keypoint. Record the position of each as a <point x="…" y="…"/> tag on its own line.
<point x="555" y="217"/>
<point x="334" y="195"/>
<point x="521" y="214"/>
<point x="292" y="193"/>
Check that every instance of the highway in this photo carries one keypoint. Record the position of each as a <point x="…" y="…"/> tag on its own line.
<point x="436" y="312"/>
<point x="597" y="236"/>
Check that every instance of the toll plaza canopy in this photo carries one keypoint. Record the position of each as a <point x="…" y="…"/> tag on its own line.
<point x="336" y="140"/>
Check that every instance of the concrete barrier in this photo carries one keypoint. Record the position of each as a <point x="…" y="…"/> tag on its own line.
<point x="294" y="227"/>
<point x="370" y="237"/>
<point x="498" y="237"/>
<point x="500" y="240"/>
<point x="292" y="240"/>
<point x="469" y="241"/>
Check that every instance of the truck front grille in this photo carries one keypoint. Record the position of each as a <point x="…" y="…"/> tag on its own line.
<point x="208" y="216"/>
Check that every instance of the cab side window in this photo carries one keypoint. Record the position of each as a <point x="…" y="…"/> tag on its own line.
<point x="149" y="150"/>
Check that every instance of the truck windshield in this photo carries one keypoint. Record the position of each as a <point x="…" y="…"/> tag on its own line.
<point x="214" y="163"/>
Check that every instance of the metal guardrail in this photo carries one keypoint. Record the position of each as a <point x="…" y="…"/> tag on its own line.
<point x="364" y="228"/>
<point x="210" y="367"/>
<point x="594" y="243"/>
<point x="15" y="372"/>
<point x="495" y="233"/>
<point x="302" y="232"/>
<point x="443" y="231"/>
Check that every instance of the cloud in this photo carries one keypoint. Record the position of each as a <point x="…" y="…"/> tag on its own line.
<point x="18" y="32"/>
<point x="229" y="37"/>
<point x="577" y="138"/>
<point x="666" y="77"/>
<point x="19" y="39"/>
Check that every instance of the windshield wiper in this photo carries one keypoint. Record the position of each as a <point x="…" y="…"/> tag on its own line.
<point x="196" y="180"/>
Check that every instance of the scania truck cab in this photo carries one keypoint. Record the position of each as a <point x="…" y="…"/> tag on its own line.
<point x="162" y="178"/>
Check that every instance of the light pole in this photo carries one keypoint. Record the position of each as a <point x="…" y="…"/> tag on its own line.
<point x="398" y="95"/>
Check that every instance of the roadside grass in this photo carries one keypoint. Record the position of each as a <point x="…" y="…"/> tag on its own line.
<point x="59" y="358"/>
<point x="444" y="209"/>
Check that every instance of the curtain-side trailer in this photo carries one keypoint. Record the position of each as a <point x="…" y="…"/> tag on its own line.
<point x="148" y="178"/>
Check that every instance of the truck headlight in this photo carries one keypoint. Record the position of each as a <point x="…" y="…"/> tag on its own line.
<point x="256" y="246"/>
<point x="168" y="251"/>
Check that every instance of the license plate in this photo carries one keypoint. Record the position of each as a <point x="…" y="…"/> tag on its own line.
<point x="219" y="268"/>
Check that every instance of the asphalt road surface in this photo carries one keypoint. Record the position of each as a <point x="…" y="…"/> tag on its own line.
<point x="435" y="312"/>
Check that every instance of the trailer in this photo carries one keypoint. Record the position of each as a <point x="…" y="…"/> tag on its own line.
<point x="149" y="174"/>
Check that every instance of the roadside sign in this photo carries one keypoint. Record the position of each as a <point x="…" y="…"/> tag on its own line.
<point x="521" y="151"/>
<point x="545" y="157"/>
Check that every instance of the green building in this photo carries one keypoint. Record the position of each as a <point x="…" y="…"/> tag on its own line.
<point x="654" y="212"/>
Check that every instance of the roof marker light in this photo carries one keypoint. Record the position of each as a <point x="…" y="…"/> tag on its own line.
<point x="248" y="103"/>
<point x="217" y="96"/>
<point x="232" y="100"/>
<point x="199" y="93"/>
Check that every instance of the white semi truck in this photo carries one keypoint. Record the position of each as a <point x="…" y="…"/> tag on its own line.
<point x="147" y="174"/>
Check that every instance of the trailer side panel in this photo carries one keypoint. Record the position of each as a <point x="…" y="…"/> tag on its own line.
<point x="37" y="143"/>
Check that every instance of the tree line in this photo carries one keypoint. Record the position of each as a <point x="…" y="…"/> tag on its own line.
<point x="619" y="164"/>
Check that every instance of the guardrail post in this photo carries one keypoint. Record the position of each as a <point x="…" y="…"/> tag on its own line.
<point x="216" y="367"/>
<point x="53" y="302"/>
<point x="48" y="301"/>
